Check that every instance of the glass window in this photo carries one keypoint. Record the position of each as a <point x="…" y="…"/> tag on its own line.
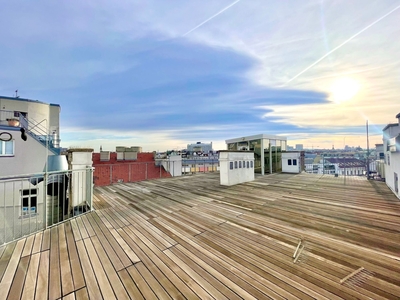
<point x="6" y="148"/>
<point x="243" y="146"/>
<point x="251" y="164"/>
<point x="231" y="165"/>
<point x="248" y="165"/>
<point x="29" y="202"/>
<point x="289" y="162"/>
<point x="240" y="164"/>
<point x="232" y="147"/>
<point x="236" y="165"/>
<point x="294" y="162"/>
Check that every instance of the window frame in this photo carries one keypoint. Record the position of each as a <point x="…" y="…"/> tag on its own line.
<point x="3" y="149"/>
<point x="29" y="195"/>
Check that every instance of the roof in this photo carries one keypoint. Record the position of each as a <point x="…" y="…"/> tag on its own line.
<point x="398" y="115"/>
<point x="390" y="125"/>
<point x="28" y="100"/>
<point x="256" y="137"/>
<point x="189" y="237"/>
<point x="346" y="162"/>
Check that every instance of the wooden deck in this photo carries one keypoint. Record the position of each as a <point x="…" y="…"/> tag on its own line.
<point x="280" y="237"/>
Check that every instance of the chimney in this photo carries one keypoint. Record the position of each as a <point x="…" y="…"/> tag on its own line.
<point x="398" y="118"/>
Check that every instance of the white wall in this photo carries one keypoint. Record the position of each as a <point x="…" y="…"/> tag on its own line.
<point x="394" y="167"/>
<point x="173" y="165"/>
<point x="80" y="159"/>
<point x="29" y="156"/>
<point x="238" y="173"/>
<point x="286" y="168"/>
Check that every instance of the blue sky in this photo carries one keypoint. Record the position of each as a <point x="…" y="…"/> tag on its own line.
<point x="162" y="74"/>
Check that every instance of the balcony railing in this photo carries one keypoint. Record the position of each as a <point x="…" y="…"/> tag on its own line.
<point x="34" y="202"/>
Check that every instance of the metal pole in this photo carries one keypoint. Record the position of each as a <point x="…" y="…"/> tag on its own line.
<point x="367" y="153"/>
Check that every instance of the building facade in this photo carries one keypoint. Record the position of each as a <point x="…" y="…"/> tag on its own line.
<point x="23" y="153"/>
<point x="391" y="147"/>
<point x="267" y="151"/>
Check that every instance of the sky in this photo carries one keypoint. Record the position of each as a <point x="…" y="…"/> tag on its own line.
<point x="162" y="74"/>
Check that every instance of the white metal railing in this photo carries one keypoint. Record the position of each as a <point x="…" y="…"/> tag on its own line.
<point x="34" y="202"/>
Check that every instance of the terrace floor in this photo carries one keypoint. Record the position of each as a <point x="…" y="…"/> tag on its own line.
<point x="189" y="237"/>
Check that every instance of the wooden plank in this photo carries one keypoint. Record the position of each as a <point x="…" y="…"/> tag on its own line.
<point x="38" y="242"/>
<point x="5" y="258"/>
<point x="92" y="286"/>
<point x="28" y="245"/>
<point x="130" y="285"/>
<point x="82" y="294"/>
<point x="82" y="228"/>
<point x="76" y="269"/>
<point x="98" y="270"/>
<point x="69" y="297"/>
<point x="105" y="243"/>
<point x="141" y="283"/>
<point x="75" y="230"/>
<point x="55" y="278"/>
<point x="12" y="266"/>
<point x="131" y="254"/>
<point x="109" y="270"/>
<point x="88" y="227"/>
<point x="65" y="267"/>
<point x="31" y="278"/>
<point x="152" y="282"/>
<point x="42" y="286"/>
<point x="46" y="240"/>
<point x="19" y="279"/>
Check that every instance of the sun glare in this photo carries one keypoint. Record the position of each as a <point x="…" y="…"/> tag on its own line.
<point x="344" y="89"/>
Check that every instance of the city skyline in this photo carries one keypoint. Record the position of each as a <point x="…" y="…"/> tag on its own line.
<point x="164" y="74"/>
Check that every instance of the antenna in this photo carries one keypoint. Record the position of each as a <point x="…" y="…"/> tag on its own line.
<point x="16" y="94"/>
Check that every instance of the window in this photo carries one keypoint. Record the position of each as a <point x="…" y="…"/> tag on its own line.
<point x="251" y="164"/>
<point x="7" y="148"/>
<point x="388" y="159"/>
<point x="294" y="162"/>
<point x="231" y="165"/>
<point x="240" y="164"/>
<point x="236" y="165"/>
<point x="248" y="165"/>
<point x="29" y="202"/>
<point x="289" y="162"/>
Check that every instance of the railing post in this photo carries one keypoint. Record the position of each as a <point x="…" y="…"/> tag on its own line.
<point x="45" y="200"/>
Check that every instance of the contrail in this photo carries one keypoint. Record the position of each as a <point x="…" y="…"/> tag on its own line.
<point x="344" y="43"/>
<point x="209" y="19"/>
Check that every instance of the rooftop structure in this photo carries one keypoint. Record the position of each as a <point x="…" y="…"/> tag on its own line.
<point x="267" y="150"/>
<point x="282" y="236"/>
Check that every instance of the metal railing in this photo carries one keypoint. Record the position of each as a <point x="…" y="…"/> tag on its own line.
<point x="34" y="202"/>
<point x="106" y="174"/>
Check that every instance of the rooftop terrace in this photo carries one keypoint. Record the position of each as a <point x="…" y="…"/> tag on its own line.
<point x="189" y="237"/>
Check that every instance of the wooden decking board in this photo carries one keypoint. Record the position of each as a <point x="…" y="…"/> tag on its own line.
<point x="76" y="269"/>
<point x="191" y="238"/>
<point x="93" y="289"/>
<point x="109" y="239"/>
<point x="55" y="271"/>
<point x="105" y="243"/>
<point x="42" y="285"/>
<point x="46" y="240"/>
<point x="287" y="265"/>
<point x="31" y="278"/>
<point x="81" y="294"/>
<point x="141" y="283"/>
<point x="75" y="230"/>
<point x="28" y="246"/>
<point x="38" y="242"/>
<point x="130" y="285"/>
<point x="67" y="284"/>
<point x="151" y="261"/>
<point x="69" y="297"/>
<point x="13" y="262"/>
<point x="111" y="273"/>
<point x="5" y="258"/>
<point x="19" y="279"/>
<point x="163" y="263"/>
<point x="88" y="227"/>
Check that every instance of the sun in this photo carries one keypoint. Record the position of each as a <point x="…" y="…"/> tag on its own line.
<point x="344" y="89"/>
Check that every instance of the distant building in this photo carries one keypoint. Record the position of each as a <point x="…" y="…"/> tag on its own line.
<point x="299" y="147"/>
<point x="200" y="147"/>
<point x="267" y="151"/>
<point x="391" y="148"/>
